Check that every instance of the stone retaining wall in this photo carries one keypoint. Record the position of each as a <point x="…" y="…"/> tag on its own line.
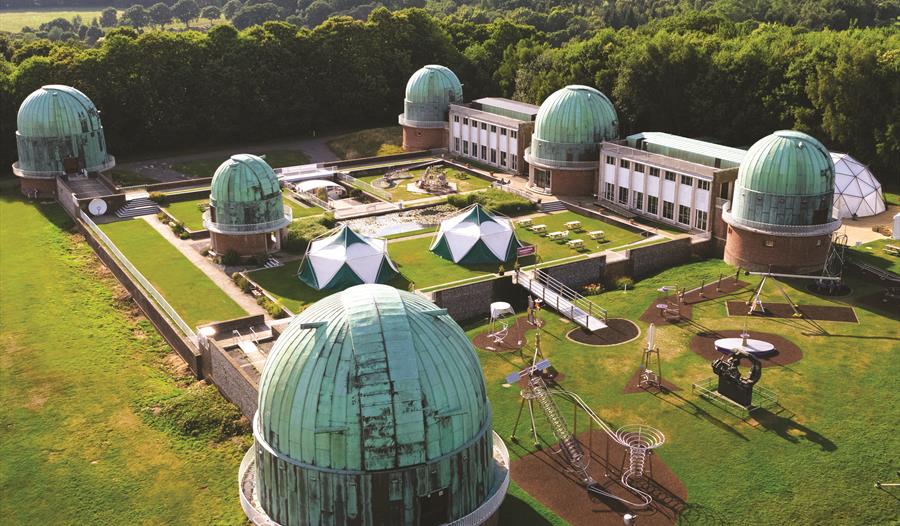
<point x="472" y="302"/>
<point x="648" y="260"/>
<point x="578" y="273"/>
<point x="232" y="380"/>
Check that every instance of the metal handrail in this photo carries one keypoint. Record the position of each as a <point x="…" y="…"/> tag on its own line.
<point x="571" y="295"/>
<point x="364" y="186"/>
<point x="552" y="163"/>
<point x="656" y="160"/>
<point x="268" y="226"/>
<point x="770" y="228"/>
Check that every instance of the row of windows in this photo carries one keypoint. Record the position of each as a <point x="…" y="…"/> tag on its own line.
<point x="654" y="172"/>
<point x="484" y="153"/>
<point x="668" y="211"/>
<point x="484" y="126"/>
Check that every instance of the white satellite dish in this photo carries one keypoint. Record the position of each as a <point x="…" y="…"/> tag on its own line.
<point x="97" y="207"/>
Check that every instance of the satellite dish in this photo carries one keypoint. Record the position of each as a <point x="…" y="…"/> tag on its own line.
<point x="97" y="207"/>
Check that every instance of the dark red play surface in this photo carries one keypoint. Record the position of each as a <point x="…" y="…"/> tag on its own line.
<point x="786" y="352"/>
<point x="617" y="330"/>
<point x="784" y="310"/>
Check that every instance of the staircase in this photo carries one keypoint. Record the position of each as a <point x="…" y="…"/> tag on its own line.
<point x="552" y="206"/>
<point x="139" y="206"/>
<point x="272" y="263"/>
<point x="567" y="443"/>
<point x="564" y="300"/>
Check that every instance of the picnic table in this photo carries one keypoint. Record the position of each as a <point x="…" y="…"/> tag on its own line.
<point x="596" y="234"/>
<point x="892" y="249"/>
<point x="556" y="236"/>
<point x="539" y="229"/>
<point x="573" y="225"/>
<point x="527" y="222"/>
<point x="577" y="244"/>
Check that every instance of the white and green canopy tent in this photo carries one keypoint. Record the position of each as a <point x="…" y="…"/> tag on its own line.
<point x="475" y="237"/>
<point x="343" y="258"/>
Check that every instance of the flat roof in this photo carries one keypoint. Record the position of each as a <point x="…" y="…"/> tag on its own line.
<point x="691" y="146"/>
<point x="509" y="105"/>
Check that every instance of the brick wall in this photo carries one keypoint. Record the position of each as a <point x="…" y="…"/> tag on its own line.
<point x="415" y="139"/>
<point x="578" y="273"/>
<point x="646" y="261"/>
<point x="44" y="187"/>
<point x="572" y="182"/>
<point x="790" y="255"/>
<point x="235" y="384"/>
<point x="472" y="302"/>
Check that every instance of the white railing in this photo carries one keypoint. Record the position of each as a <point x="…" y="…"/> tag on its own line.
<point x="268" y="226"/>
<point x="515" y="191"/>
<point x="564" y="300"/>
<point x="136" y="274"/>
<point x="655" y="159"/>
<point x="364" y="186"/>
<point x="489" y="507"/>
<point x="784" y="230"/>
<point x="403" y="121"/>
<point x="565" y="165"/>
<point x="325" y="205"/>
<point x="246" y="490"/>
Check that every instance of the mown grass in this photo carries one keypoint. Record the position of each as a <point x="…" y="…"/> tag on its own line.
<point x="426" y="269"/>
<point x="838" y="425"/>
<point x="207" y="167"/>
<point x="79" y="443"/>
<point x="373" y="142"/>
<point x="190" y="292"/>
<point x="464" y="183"/>
<point x="874" y="254"/>
<point x="13" y="20"/>
<point x="129" y="178"/>
<point x="550" y="250"/>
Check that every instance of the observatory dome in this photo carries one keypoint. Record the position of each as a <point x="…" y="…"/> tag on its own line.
<point x="245" y="196"/>
<point x="571" y="123"/>
<point x="59" y="131"/>
<point x="429" y="93"/>
<point x="786" y="178"/>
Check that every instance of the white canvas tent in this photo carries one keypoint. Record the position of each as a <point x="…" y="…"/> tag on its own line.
<point x="474" y="236"/>
<point x="856" y="190"/>
<point x="344" y="258"/>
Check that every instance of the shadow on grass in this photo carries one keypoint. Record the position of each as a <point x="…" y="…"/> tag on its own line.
<point x="693" y="409"/>
<point x="49" y="208"/>
<point x="700" y="515"/>
<point x="515" y="511"/>
<point x="790" y="430"/>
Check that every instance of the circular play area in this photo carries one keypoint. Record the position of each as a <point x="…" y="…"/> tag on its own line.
<point x="618" y="330"/>
<point x="514" y="338"/>
<point x="785" y="351"/>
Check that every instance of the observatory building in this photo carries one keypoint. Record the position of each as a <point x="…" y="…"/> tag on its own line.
<point x="429" y="93"/>
<point x="58" y="134"/>
<point x="780" y="217"/>
<point x="246" y="212"/>
<point x="372" y="411"/>
<point x="565" y="146"/>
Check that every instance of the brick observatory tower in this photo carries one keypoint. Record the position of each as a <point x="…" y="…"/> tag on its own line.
<point x="426" y="106"/>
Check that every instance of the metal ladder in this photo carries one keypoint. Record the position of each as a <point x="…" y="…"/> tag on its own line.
<point x="567" y="442"/>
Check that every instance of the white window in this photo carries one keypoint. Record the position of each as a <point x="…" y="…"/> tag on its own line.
<point x="466" y="147"/>
<point x="610" y="160"/>
<point x="686" y="180"/>
<point x="502" y="158"/>
<point x="456" y="144"/>
<point x="456" y="118"/>
<point x="623" y="163"/>
<point x="668" y="210"/>
<point x="702" y="185"/>
<point x="623" y="195"/>
<point x="670" y="176"/>
<point x="684" y="214"/>
<point x="639" y="200"/>
<point x="700" y="220"/>
<point x="513" y="163"/>
<point x="513" y="134"/>
<point x="652" y="204"/>
<point x="654" y="172"/>
<point x="610" y="192"/>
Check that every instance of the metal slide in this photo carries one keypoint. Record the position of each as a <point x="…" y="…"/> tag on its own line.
<point x="564" y="300"/>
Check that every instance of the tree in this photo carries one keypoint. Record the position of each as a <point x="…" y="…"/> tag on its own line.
<point x="93" y="34"/>
<point x="160" y="14"/>
<point x="254" y="15"/>
<point x="186" y="10"/>
<point x="135" y="16"/>
<point x="210" y="12"/>
<point x="108" y="17"/>
<point x="231" y="8"/>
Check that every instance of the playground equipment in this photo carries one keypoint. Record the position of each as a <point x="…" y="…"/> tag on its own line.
<point x="745" y="344"/>
<point x="755" y="302"/>
<point x="648" y="377"/>
<point x="670" y="304"/>
<point x="435" y="181"/>
<point x="499" y="326"/>
<point x="732" y="385"/>
<point x="389" y="179"/>
<point x="638" y="439"/>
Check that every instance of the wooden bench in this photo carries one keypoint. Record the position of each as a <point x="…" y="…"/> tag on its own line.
<point x="574" y="225"/>
<point x="893" y="250"/>
<point x="539" y="229"/>
<point x="596" y="234"/>
<point x="576" y="244"/>
<point x="558" y="236"/>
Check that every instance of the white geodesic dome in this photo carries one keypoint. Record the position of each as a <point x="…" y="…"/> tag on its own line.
<point x="856" y="190"/>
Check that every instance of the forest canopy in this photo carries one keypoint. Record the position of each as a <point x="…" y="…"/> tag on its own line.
<point x="695" y="73"/>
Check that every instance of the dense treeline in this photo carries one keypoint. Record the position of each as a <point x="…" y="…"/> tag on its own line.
<point x="697" y="74"/>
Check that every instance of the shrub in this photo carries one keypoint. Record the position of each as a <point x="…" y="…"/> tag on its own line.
<point x="301" y="232"/>
<point x="230" y="258"/>
<point x="162" y="216"/>
<point x="494" y="201"/>
<point x="592" y="288"/>
<point x="205" y="252"/>
<point x="624" y="281"/>
<point x="271" y="307"/>
<point x="184" y="235"/>
<point x="158" y="198"/>
<point x="242" y="282"/>
<point x="178" y="228"/>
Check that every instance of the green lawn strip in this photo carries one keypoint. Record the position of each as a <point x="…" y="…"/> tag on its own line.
<point x="13" y="20"/>
<point x="623" y="248"/>
<point x="79" y="381"/>
<point x="190" y="292"/>
<point x="188" y="212"/>
<point x="207" y="167"/>
<point x="299" y="209"/>
<point x="550" y="250"/>
<point x="838" y="400"/>
<point x="874" y="253"/>
<point x="464" y="183"/>
<point x="425" y="269"/>
<point x="411" y="233"/>
<point x="469" y="281"/>
<point x="129" y="178"/>
<point x="368" y="143"/>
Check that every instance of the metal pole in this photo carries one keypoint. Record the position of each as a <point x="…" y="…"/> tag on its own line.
<point x="518" y="416"/>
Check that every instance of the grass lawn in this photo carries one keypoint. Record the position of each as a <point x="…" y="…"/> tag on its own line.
<point x="464" y="183"/>
<point x="300" y="209"/>
<point x="129" y="178"/>
<point x="188" y="212"/>
<point x="874" y="254"/>
<point x="13" y="20"/>
<point x="207" y="167"/>
<point x="283" y="283"/>
<point x="425" y="269"/>
<point x="79" y="378"/>
<point x="368" y="143"/>
<point x="840" y="401"/>
<point x="190" y="292"/>
<point x="549" y="250"/>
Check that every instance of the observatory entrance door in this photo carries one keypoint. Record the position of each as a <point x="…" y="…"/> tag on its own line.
<point x="434" y="508"/>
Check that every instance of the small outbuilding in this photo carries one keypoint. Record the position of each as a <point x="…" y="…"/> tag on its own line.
<point x="475" y="237"/>
<point x="857" y="193"/>
<point x="344" y="258"/>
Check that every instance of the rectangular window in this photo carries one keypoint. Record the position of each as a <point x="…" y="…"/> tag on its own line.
<point x="652" y="205"/>
<point x="623" y="163"/>
<point x="494" y="155"/>
<point x="502" y="131"/>
<point x="638" y="167"/>
<point x="654" y="172"/>
<point x="702" y="185"/>
<point x="670" y="176"/>
<point x="623" y="195"/>
<point x="483" y="126"/>
<point x="456" y="144"/>
<point x="475" y="123"/>
<point x="668" y="210"/>
<point x="688" y="181"/>
<point x="466" y="147"/>
<point x="493" y="129"/>
<point x="513" y="134"/>
<point x="639" y="200"/>
<point x="610" y="160"/>
<point x="610" y="193"/>
<point x="684" y="214"/>
<point x="502" y="158"/>
<point x="770" y="243"/>
<point x="456" y="118"/>
<point x="466" y="121"/>
<point x="513" y="163"/>
<point x="700" y="221"/>
<point x="484" y="152"/>
<point x="723" y="191"/>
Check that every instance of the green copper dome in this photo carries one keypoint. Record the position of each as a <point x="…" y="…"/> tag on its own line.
<point x="786" y="178"/>
<point x="429" y="93"/>
<point x="59" y="131"/>
<point x="571" y="123"/>
<point x="246" y="197"/>
<point x="371" y="378"/>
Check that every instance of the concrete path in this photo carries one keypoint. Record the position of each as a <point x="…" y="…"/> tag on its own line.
<point x="861" y="229"/>
<point x="207" y="267"/>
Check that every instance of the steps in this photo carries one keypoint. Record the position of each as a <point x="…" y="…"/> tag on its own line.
<point x="272" y="263"/>
<point x="139" y="206"/>
<point x="552" y="206"/>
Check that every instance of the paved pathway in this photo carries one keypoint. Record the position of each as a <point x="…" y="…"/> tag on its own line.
<point x="861" y="229"/>
<point x="207" y="267"/>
